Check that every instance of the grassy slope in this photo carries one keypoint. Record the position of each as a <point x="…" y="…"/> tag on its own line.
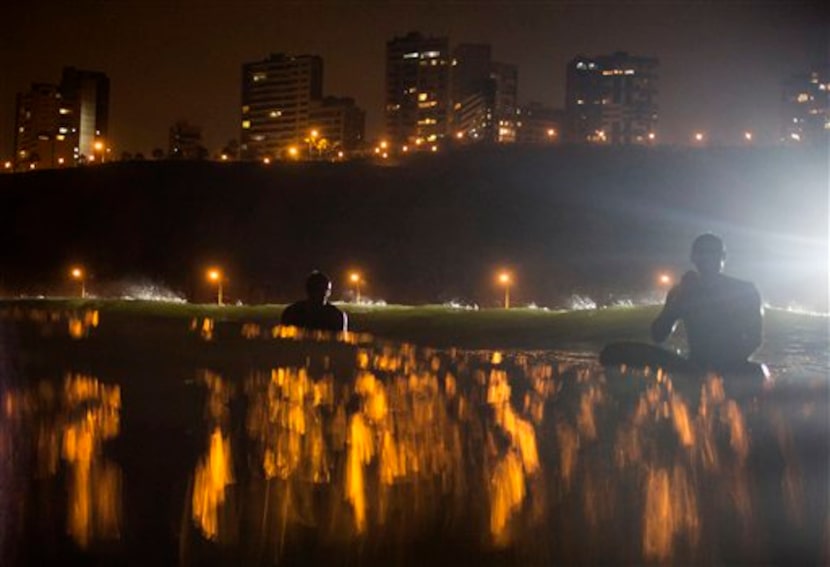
<point x="432" y="325"/>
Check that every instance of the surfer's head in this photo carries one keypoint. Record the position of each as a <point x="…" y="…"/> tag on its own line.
<point x="708" y="254"/>
<point x="318" y="287"/>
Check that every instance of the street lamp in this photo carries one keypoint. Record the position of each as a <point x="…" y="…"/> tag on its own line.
<point x="354" y="277"/>
<point x="98" y="146"/>
<point x="505" y="280"/>
<point x="78" y="275"/>
<point x="215" y="276"/>
<point x="664" y="279"/>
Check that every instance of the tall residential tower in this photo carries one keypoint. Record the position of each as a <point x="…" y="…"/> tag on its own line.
<point x="64" y="124"/>
<point x="417" y="88"/>
<point x="611" y="99"/>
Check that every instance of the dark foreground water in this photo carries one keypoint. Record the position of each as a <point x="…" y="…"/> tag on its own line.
<point x="366" y="452"/>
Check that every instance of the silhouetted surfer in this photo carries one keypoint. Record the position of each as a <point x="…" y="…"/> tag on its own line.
<point x="315" y="312"/>
<point x="722" y="317"/>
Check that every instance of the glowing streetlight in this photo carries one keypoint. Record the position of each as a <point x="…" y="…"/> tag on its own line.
<point x="748" y="136"/>
<point x="664" y="279"/>
<point x="699" y="137"/>
<point x="292" y="151"/>
<point x="551" y="132"/>
<point x="7" y="165"/>
<point x="215" y="276"/>
<point x="506" y="280"/>
<point x="355" y="278"/>
<point x="266" y="161"/>
<point x="78" y="275"/>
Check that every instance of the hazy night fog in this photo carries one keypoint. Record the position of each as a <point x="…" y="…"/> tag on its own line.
<point x="721" y="64"/>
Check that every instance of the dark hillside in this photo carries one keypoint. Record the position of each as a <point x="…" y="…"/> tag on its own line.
<point x="594" y="221"/>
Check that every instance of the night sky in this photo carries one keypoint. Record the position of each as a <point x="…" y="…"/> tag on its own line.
<point x="721" y="62"/>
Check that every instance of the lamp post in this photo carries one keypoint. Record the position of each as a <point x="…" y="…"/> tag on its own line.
<point x="354" y="277"/>
<point x="215" y="276"/>
<point x="78" y="275"/>
<point x="98" y="146"/>
<point x="505" y="280"/>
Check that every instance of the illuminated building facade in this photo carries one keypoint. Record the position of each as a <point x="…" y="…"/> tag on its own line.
<point x="417" y="88"/>
<point x="611" y="99"/>
<point x="277" y="95"/>
<point x="185" y="141"/>
<point x="806" y="112"/>
<point x="61" y="125"/>
<point x="484" y="95"/>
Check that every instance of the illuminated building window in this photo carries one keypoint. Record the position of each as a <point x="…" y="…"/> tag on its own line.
<point x="64" y="111"/>
<point x="246" y="109"/>
<point x="422" y="96"/>
<point x="259" y="77"/>
<point x="581" y="65"/>
<point x="430" y="54"/>
<point x="412" y="55"/>
<point x="803" y="97"/>
<point x="275" y="114"/>
<point x="246" y="124"/>
<point x="63" y="130"/>
<point x="60" y="137"/>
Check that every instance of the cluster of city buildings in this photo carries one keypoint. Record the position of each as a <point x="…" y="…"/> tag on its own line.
<point x="435" y="94"/>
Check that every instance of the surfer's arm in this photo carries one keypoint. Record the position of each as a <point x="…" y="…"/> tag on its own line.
<point x="664" y="324"/>
<point x="752" y="335"/>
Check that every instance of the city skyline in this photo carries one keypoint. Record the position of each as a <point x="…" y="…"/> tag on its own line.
<point x="721" y="69"/>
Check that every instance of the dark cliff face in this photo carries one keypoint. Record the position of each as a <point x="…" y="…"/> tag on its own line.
<point x="565" y="220"/>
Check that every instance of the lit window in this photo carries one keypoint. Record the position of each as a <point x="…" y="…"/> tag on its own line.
<point x="64" y="111"/>
<point x="259" y="77"/>
<point x="246" y="109"/>
<point x="63" y="130"/>
<point x="21" y="129"/>
<point x="581" y="65"/>
<point x="803" y="97"/>
<point x="430" y="54"/>
<point x="275" y="114"/>
<point x="412" y="55"/>
<point x="422" y="96"/>
<point x="246" y="124"/>
<point x="60" y="137"/>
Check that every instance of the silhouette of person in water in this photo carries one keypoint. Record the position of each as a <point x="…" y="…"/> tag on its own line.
<point x="315" y="312"/>
<point x="722" y="316"/>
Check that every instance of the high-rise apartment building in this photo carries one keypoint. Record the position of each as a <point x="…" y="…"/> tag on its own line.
<point x="65" y="124"/>
<point x="338" y="122"/>
<point x="86" y="96"/>
<point x="417" y="88"/>
<point x="806" y="112"/>
<point x="539" y="124"/>
<point x="484" y="95"/>
<point x="284" y="113"/>
<point x="611" y="99"/>
<point x="277" y="95"/>
<point x="185" y="141"/>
